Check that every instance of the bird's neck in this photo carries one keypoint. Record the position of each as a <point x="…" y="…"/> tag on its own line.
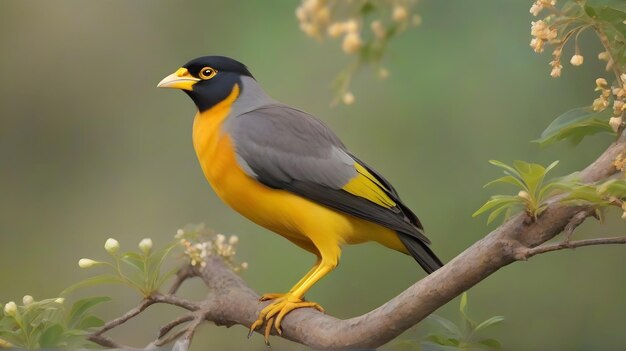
<point x="251" y="97"/>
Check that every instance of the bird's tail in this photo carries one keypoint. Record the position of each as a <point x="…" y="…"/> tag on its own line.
<point x="421" y="253"/>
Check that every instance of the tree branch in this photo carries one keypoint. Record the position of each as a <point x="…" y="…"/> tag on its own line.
<point x="231" y="301"/>
<point x="571" y="245"/>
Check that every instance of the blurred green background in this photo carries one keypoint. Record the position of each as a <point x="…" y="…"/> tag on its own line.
<point x="90" y="149"/>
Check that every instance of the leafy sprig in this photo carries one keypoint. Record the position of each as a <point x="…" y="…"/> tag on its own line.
<point x="140" y="270"/>
<point x="534" y="191"/>
<point x="48" y="323"/>
<point x="464" y="337"/>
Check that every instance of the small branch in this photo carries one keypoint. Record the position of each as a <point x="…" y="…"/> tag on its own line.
<point x="122" y="319"/>
<point x="577" y="220"/>
<point x="105" y="341"/>
<point x="173" y="324"/>
<point x="182" y="275"/>
<point x="101" y="340"/>
<point x="528" y="253"/>
<point x="176" y="301"/>
<point x="183" y="343"/>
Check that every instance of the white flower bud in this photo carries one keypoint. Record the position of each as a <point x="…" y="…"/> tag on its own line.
<point x="233" y="240"/>
<point x="301" y="14"/>
<point x="624" y="215"/>
<point x="351" y="43"/>
<point x="351" y="26"/>
<point x="59" y="300"/>
<point x="600" y="104"/>
<point x="87" y="263"/>
<point x="399" y="13"/>
<point x="220" y="239"/>
<point x="10" y="309"/>
<point x="27" y="300"/>
<point x="535" y="9"/>
<point x="244" y="265"/>
<point x="601" y="83"/>
<point x="615" y="123"/>
<point x="323" y="14"/>
<point x="348" y="98"/>
<point x="179" y="234"/>
<point x="112" y="246"/>
<point x="523" y="194"/>
<point x="577" y="60"/>
<point x="336" y="29"/>
<point x="145" y="245"/>
<point x="603" y="56"/>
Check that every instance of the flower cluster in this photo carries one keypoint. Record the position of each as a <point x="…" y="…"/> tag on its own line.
<point x="364" y="28"/>
<point x="566" y="23"/>
<point x="539" y="5"/>
<point x="112" y="246"/>
<point x="541" y="33"/>
<point x="11" y="309"/>
<point x="199" y="246"/>
<point x="555" y="29"/>
<point x="618" y="94"/>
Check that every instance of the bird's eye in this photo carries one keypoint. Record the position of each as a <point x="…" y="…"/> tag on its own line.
<point x="207" y="73"/>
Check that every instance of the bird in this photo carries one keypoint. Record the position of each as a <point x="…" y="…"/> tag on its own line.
<point x="287" y="171"/>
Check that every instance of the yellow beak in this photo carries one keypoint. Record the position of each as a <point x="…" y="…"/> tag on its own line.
<point x="181" y="79"/>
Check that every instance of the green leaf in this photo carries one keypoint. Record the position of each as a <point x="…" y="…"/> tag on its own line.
<point x="511" y="171"/>
<point x="491" y="343"/>
<point x="497" y="201"/>
<point x="583" y="195"/>
<point x="134" y="260"/>
<point x="463" y="304"/>
<point x="90" y="322"/>
<point x="613" y="187"/>
<point x="51" y="336"/>
<point x="507" y="180"/>
<point x="574" y="125"/>
<point x="155" y="261"/>
<point x="532" y="175"/>
<point x="463" y="309"/>
<point x="489" y="322"/>
<point x="618" y="5"/>
<point x="80" y="308"/>
<point x="92" y="281"/>
<point x="507" y="210"/>
<point x="446" y="324"/>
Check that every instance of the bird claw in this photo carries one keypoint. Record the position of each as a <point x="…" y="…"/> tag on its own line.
<point x="271" y="296"/>
<point x="273" y="314"/>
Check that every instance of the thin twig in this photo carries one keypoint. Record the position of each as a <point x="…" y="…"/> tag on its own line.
<point x="182" y="275"/>
<point x="176" y="301"/>
<point x="173" y="324"/>
<point x="577" y="220"/>
<point x="183" y="343"/>
<point x="574" y="244"/>
<point x="171" y="338"/>
<point x="105" y="341"/>
<point x="124" y="318"/>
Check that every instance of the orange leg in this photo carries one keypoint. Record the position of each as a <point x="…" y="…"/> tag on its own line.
<point x="285" y="303"/>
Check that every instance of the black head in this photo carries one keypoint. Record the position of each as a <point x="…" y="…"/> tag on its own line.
<point x="207" y="80"/>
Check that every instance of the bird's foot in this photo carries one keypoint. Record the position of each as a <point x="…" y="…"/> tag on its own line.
<point x="273" y="314"/>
